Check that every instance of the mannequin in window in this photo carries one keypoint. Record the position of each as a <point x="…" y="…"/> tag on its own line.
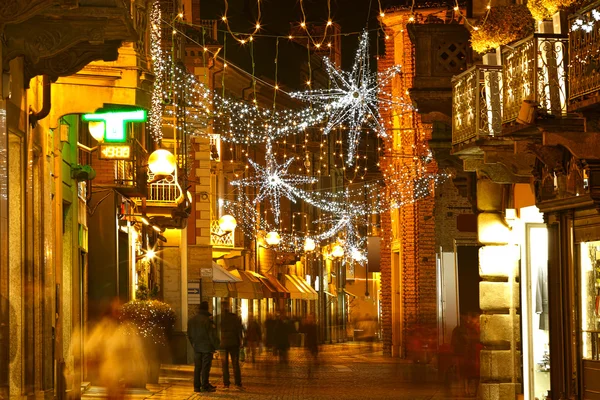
<point x="541" y="301"/>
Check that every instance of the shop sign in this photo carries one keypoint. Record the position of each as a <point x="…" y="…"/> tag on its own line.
<point x="114" y="123"/>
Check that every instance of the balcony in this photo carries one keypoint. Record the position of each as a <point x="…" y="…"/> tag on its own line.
<point x="584" y="47"/>
<point x="129" y="177"/>
<point x="535" y="70"/>
<point x="164" y="192"/>
<point x="476" y="104"/>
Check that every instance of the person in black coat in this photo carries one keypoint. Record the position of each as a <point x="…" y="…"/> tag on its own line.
<point x="202" y="334"/>
<point x="231" y="340"/>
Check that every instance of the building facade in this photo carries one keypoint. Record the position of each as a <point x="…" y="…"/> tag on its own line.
<point x="43" y="176"/>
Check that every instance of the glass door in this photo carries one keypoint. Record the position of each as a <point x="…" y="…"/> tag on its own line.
<point x="536" y="360"/>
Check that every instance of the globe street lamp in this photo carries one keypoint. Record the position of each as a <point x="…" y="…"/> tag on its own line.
<point x="227" y="223"/>
<point x="273" y="238"/>
<point x="162" y="162"/>
<point x="338" y="251"/>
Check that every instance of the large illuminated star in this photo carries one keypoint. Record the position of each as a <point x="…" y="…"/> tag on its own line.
<point x="355" y="97"/>
<point x="273" y="182"/>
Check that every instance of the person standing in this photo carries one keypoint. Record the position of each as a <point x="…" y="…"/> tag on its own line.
<point x="231" y="340"/>
<point x="202" y="334"/>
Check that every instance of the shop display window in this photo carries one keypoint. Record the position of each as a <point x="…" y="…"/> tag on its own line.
<point x="590" y="299"/>
<point x="538" y="313"/>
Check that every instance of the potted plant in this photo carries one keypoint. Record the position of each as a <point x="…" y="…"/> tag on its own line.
<point x="545" y="9"/>
<point x="503" y="25"/>
<point x="154" y="321"/>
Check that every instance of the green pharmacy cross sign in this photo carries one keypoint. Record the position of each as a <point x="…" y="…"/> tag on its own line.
<point x="114" y="123"/>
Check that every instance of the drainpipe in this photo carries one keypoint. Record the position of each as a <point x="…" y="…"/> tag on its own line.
<point x="34" y="117"/>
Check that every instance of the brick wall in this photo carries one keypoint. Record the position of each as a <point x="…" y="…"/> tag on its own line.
<point x="416" y="220"/>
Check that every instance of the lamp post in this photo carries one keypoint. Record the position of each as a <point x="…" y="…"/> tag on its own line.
<point x="337" y="253"/>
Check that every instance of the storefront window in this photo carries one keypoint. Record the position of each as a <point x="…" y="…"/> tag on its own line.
<point x="538" y="349"/>
<point x="590" y="299"/>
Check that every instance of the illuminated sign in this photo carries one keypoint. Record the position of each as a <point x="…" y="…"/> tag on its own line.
<point x="114" y="123"/>
<point x="115" y="151"/>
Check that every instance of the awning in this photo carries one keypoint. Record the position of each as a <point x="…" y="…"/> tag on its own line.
<point x="282" y="291"/>
<point x="295" y="289"/>
<point x="311" y="293"/>
<point x="218" y="289"/>
<point x="348" y="293"/>
<point x="299" y="289"/>
<point x="268" y="290"/>
<point x="329" y="294"/>
<point x="220" y="274"/>
<point x="249" y="287"/>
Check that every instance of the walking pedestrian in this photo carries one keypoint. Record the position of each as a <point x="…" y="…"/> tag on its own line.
<point x="231" y="340"/>
<point x="202" y="334"/>
<point x="253" y="337"/>
<point x="311" y="342"/>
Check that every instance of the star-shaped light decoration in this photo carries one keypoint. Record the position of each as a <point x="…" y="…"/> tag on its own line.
<point x="274" y="181"/>
<point x="355" y="97"/>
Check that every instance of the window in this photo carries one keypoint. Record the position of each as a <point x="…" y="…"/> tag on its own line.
<point x="590" y="299"/>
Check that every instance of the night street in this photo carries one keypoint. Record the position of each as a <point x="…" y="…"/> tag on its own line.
<point x="347" y="371"/>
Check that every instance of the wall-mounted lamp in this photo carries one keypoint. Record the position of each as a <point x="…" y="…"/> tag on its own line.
<point x="273" y="238"/>
<point x="338" y="251"/>
<point x="227" y="223"/>
<point x="162" y="162"/>
<point x="309" y="244"/>
<point x="150" y="254"/>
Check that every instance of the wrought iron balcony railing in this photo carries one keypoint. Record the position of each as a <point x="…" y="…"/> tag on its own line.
<point x="164" y="192"/>
<point x="476" y="103"/>
<point x="130" y="176"/>
<point x="219" y="237"/>
<point x="584" y="49"/>
<point x="535" y="69"/>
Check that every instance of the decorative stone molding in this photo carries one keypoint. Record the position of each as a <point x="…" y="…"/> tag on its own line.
<point x="71" y="61"/>
<point x="16" y="11"/>
<point x="497" y="172"/>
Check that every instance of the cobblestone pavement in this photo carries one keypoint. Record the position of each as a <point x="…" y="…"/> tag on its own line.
<point x="344" y="371"/>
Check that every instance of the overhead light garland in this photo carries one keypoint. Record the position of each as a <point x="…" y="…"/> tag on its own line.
<point x="158" y="66"/>
<point x="355" y="97"/>
<point x="273" y="181"/>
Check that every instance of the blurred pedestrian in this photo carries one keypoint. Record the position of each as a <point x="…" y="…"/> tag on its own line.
<point x="311" y="342"/>
<point x="283" y="329"/>
<point x="231" y="341"/>
<point x="460" y="347"/>
<point x="202" y="334"/>
<point x="105" y="346"/>
<point x="253" y="337"/>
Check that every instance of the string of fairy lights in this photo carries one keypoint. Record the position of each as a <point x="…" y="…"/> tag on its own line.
<point x="348" y="109"/>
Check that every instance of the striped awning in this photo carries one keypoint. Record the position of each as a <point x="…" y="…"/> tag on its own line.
<point x="250" y="287"/>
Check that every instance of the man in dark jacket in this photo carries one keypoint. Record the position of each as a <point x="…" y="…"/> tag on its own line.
<point x="202" y="334"/>
<point x="231" y="340"/>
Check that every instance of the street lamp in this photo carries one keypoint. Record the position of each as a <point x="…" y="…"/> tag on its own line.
<point x="162" y="162"/>
<point x="309" y="244"/>
<point x="96" y="129"/>
<point x="273" y="238"/>
<point x="338" y="251"/>
<point x="227" y="223"/>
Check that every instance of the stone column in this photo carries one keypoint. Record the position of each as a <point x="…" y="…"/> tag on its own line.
<point x="498" y="298"/>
